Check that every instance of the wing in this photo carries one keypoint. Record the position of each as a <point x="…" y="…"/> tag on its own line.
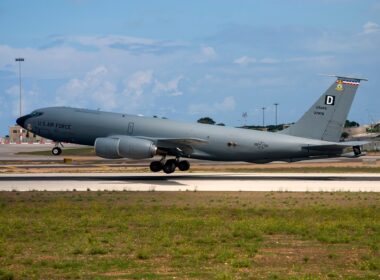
<point x="178" y="146"/>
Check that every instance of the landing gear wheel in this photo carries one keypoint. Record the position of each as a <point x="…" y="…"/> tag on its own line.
<point x="184" y="165"/>
<point x="357" y="150"/>
<point x="56" y="151"/>
<point x="156" y="166"/>
<point x="169" y="166"/>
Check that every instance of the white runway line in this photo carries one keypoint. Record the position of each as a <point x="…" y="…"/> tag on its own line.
<point x="191" y="182"/>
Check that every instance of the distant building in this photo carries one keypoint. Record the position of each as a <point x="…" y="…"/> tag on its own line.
<point x="18" y="134"/>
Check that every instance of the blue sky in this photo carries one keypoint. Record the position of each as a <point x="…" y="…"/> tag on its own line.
<point x="188" y="59"/>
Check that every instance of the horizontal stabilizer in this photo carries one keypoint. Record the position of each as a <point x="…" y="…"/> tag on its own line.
<point x="335" y="146"/>
<point x="347" y="78"/>
<point x="353" y="155"/>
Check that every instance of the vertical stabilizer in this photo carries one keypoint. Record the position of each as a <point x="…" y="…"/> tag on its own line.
<point x="326" y="118"/>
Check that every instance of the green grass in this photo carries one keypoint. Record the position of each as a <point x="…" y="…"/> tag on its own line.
<point x="191" y="235"/>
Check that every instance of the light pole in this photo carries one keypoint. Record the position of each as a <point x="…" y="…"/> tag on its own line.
<point x="19" y="60"/>
<point x="276" y="104"/>
<point x="263" y="108"/>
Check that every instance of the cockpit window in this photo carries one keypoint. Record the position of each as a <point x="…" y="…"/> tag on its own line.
<point x="36" y="114"/>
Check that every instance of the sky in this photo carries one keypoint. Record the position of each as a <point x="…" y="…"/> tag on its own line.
<point x="188" y="59"/>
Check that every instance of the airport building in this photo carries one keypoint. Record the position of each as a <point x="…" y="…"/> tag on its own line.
<point x="17" y="134"/>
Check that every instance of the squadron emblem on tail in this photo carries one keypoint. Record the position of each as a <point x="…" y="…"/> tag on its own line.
<point x="339" y="86"/>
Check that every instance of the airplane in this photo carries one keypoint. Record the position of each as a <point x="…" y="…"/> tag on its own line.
<point x="116" y="135"/>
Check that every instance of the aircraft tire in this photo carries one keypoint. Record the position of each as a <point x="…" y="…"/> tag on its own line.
<point x="169" y="166"/>
<point x="156" y="166"/>
<point x="184" y="165"/>
<point x="56" y="151"/>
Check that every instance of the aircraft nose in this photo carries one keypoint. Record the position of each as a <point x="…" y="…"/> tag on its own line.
<point x="21" y="120"/>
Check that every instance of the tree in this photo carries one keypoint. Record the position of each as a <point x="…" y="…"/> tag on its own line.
<point x="351" y="124"/>
<point x="344" y="135"/>
<point x="206" y="120"/>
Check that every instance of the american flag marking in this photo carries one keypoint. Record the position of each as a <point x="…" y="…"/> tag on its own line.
<point x="348" y="82"/>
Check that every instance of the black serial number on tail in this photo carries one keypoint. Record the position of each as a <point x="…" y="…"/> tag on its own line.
<point x="319" y="113"/>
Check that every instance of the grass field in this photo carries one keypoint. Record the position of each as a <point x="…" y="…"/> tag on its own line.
<point x="189" y="235"/>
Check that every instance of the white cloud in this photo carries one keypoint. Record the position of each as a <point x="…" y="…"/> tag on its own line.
<point x="12" y="102"/>
<point x="207" y="53"/>
<point x="245" y="60"/>
<point x="93" y="89"/>
<point x="137" y="82"/>
<point x="105" y="41"/>
<point x="170" y="88"/>
<point x="371" y="27"/>
<point x="106" y="95"/>
<point x="129" y="44"/>
<point x="227" y="104"/>
<point x="109" y="40"/>
<point x="98" y="89"/>
<point x="67" y="57"/>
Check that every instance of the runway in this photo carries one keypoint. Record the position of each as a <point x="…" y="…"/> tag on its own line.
<point x="292" y="182"/>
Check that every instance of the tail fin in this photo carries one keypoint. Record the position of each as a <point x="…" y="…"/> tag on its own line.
<point x="326" y="118"/>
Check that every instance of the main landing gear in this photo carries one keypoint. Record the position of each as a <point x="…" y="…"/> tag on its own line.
<point x="170" y="165"/>
<point x="357" y="150"/>
<point x="56" y="151"/>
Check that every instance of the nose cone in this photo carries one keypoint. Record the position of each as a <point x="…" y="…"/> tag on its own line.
<point x="21" y="120"/>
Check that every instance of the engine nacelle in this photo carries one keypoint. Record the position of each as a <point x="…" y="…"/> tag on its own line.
<point x="107" y="147"/>
<point x="136" y="148"/>
<point x="124" y="147"/>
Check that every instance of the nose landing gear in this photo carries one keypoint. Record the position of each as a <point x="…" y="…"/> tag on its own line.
<point x="56" y="151"/>
<point x="170" y="165"/>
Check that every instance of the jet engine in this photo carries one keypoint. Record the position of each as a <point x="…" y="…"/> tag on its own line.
<point x="124" y="147"/>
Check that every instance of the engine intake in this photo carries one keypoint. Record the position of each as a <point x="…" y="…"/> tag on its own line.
<point x="124" y="147"/>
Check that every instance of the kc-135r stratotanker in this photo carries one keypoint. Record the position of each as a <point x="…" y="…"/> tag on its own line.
<point x="115" y="135"/>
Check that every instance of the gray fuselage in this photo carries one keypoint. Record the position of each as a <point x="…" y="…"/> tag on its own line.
<point x="82" y="126"/>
